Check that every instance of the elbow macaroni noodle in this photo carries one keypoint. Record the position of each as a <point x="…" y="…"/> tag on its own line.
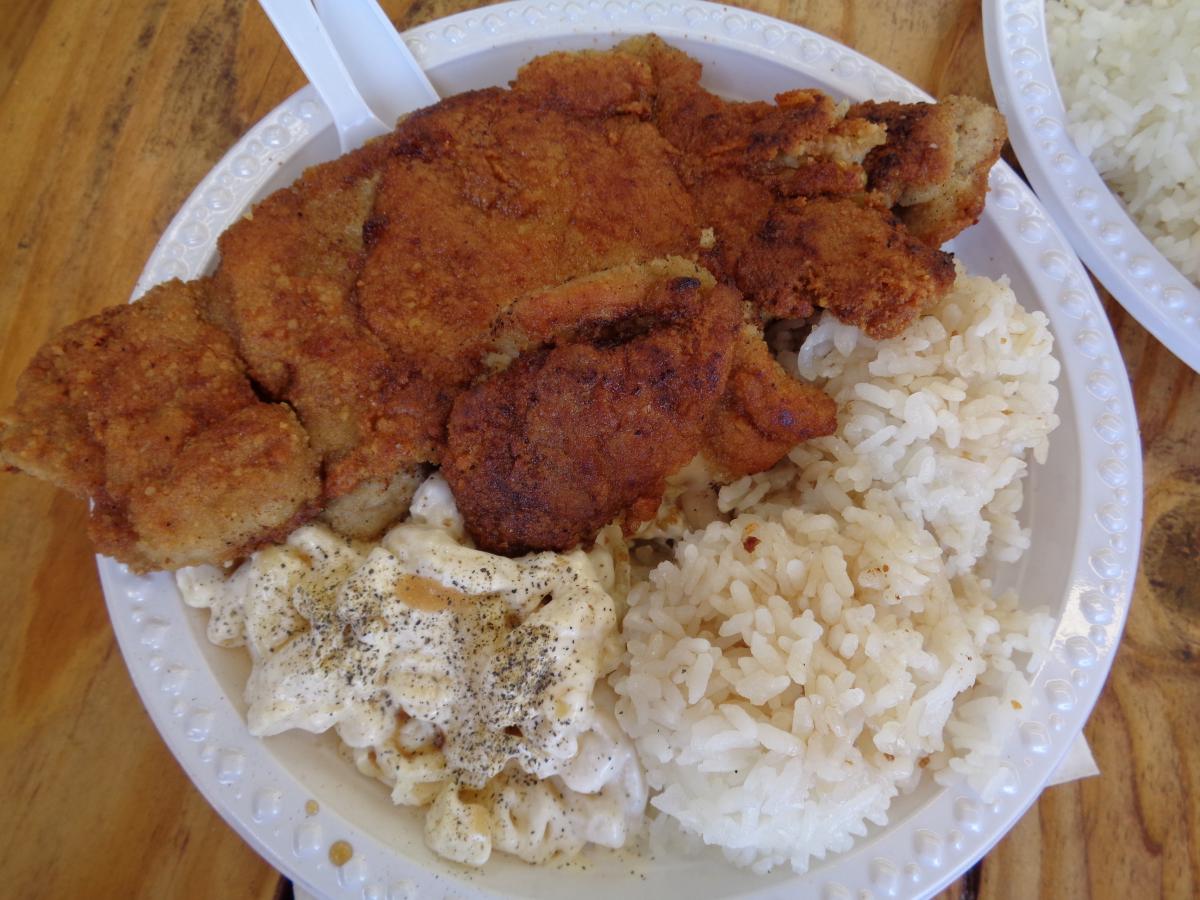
<point x="465" y="681"/>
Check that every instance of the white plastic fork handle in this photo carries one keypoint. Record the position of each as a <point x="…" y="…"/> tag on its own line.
<point x="301" y="29"/>
<point x="383" y="68"/>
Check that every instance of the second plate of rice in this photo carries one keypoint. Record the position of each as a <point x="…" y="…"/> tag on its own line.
<point x="1083" y="97"/>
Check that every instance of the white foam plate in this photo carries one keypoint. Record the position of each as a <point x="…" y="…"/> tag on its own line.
<point x="1140" y="278"/>
<point x="1084" y="507"/>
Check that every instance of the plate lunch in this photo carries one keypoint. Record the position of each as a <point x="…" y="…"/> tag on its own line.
<point x="292" y="796"/>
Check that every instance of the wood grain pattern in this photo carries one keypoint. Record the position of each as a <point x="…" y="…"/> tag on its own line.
<point x="109" y="114"/>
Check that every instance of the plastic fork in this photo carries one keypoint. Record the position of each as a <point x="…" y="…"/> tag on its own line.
<point x="387" y="75"/>
<point x="301" y="29"/>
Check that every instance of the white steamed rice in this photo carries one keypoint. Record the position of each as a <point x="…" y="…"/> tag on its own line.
<point x="1129" y="74"/>
<point x="793" y="670"/>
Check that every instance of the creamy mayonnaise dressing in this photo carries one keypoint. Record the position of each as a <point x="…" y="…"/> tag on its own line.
<point x="464" y="680"/>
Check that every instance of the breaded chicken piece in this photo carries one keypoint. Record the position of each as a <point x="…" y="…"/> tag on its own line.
<point x="934" y="166"/>
<point x="493" y="194"/>
<point x="739" y="159"/>
<point x="853" y="259"/>
<point x="782" y="186"/>
<point x="930" y="161"/>
<point x="548" y="451"/>
<point x="763" y="413"/>
<point x="369" y="295"/>
<point x="588" y="83"/>
<point x="754" y="135"/>
<point x="146" y="410"/>
<point x="283" y="290"/>
<point x="623" y="298"/>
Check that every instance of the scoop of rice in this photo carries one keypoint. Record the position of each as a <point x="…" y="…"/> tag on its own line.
<point x="792" y="671"/>
<point x="1129" y="77"/>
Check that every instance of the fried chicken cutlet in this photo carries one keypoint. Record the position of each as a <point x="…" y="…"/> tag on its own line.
<point x="283" y="292"/>
<point x="933" y="168"/>
<point x="375" y="290"/>
<point x="493" y="194"/>
<point x="813" y="253"/>
<point x="147" y="410"/>
<point x="832" y="193"/>
<point x="587" y="427"/>
<point x="763" y="413"/>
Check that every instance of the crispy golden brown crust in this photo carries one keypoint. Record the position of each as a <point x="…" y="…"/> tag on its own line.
<point x="588" y="83"/>
<point x="490" y="196"/>
<point x="548" y="451"/>
<point x="599" y="303"/>
<point x="763" y="413"/>
<point x="933" y="168"/>
<point x="504" y="228"/>
<point x="147" y="409"/>
<point x="918" y="153"/>
<point x="283" y="290"/>
<point x="853" y="259"/>
<point x="784" y="188"/>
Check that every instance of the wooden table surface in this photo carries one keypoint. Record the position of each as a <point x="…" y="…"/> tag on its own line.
<point x="109" y="115"/>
